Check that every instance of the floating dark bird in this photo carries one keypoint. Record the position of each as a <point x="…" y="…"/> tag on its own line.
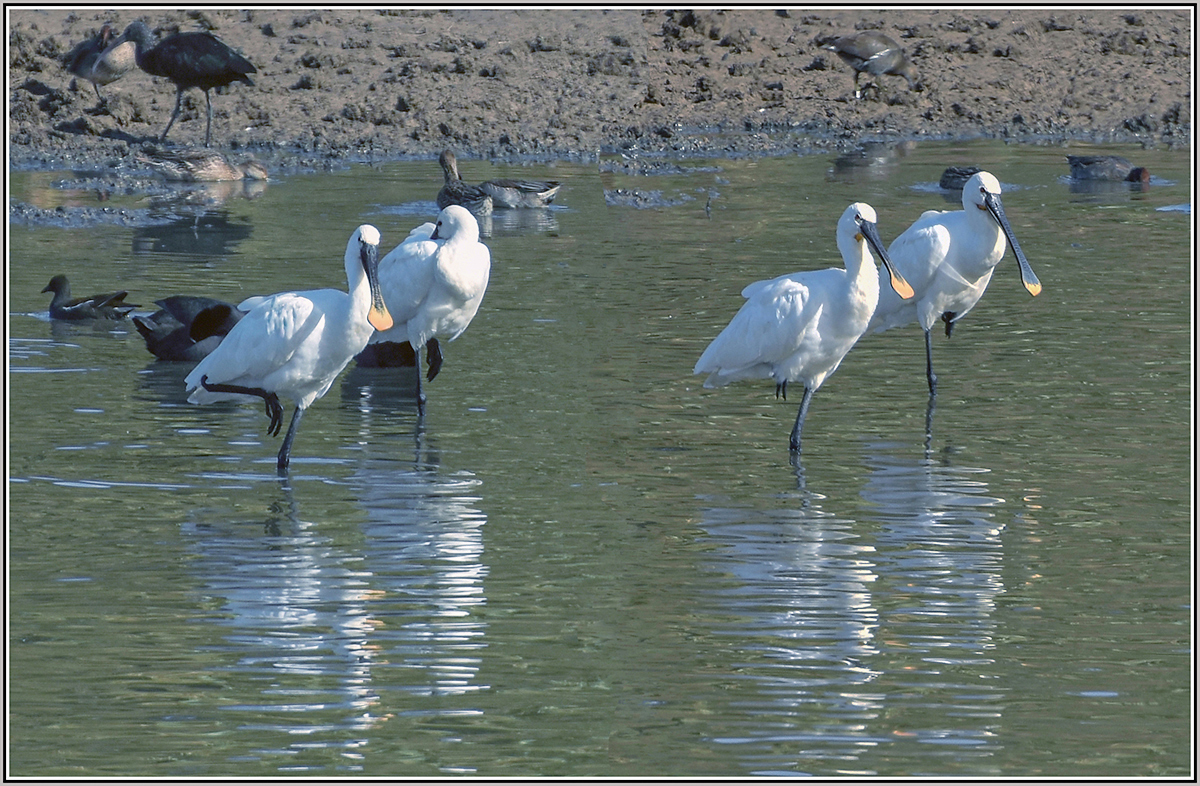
<point x="503" y="192"/>
<point x="101" y="59"/>
<point x="186" y="327"/>
<point x="1112" y="168"/>
<point x="955" y="177"/>
<point x="189" y="60"/>
<point x="456" y="192"/>
<point x="875" y="54"/>
<point x="108" y="306"/>
<point x="196" y="164"/>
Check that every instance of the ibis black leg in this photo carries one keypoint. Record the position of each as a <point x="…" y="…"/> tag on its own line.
<point x="285" y="451"/>
<point x="274" y="408"/>
<point x="175" y="114"/>
<point x="929" y="364"/>
<point x="208" y="127"/>
<point x="794" y="442"/>
<point x="433" y="356"/>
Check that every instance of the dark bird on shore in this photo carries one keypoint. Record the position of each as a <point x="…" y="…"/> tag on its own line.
<point x="186" y="327"/>
<point x="100" y="59"/>
<point x="196" y="164"/>
<point x="189" y="60"/>
<point x="63" y="306"/>
<point x="1112" y="168"/>
<point x="875" y="54"/>
<point x="955" y="177"/>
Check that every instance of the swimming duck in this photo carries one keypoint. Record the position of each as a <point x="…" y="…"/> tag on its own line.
<point x="108" y="306"/>
<point x="456" y="192"/>
<point x="955" y="177"/>
<point x="1106" y="168"/>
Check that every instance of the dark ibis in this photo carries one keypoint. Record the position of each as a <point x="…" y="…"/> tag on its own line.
<point x="875" y="54"/>
<point x="189" y="60"/>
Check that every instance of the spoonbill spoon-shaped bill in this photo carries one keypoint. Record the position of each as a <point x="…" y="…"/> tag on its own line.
<point x="110" y="305"/>
<point x="188" y="60"/>
<point x="798" y="327"/>
<point x="294" y="344"/>
<point x="433" y="284"/>
<point x="948" y="257"/>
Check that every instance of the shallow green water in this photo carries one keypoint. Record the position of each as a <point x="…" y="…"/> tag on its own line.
<point x="580" y="562"/>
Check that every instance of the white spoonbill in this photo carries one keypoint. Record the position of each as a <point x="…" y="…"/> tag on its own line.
<point x="433" y="284"/>
<point x="295" y="344"/>
<point x="948" y="257"/>
<point x="798" y="327"/>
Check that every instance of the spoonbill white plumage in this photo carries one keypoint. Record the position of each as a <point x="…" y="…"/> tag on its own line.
<point x="948" y="257"/>
<point x="433" y="284"/>
<point x="295" y="344"/>
<point x="798" y="327"/>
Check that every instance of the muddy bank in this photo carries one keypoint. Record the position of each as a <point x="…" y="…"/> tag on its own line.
<point x="572" y="84"/>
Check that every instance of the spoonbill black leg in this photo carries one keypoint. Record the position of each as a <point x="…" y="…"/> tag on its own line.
<point x="794" y="442"/>
<point x="285" y="451"/>
<point x="929" y="364"/>
<point x="274" y="407"/>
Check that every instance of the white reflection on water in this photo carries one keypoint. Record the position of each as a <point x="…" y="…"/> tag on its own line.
<point x="331" y="623"/>
<point x="843" y="621"/>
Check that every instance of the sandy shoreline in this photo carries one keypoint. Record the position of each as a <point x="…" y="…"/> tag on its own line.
<point x="572" y="84"/>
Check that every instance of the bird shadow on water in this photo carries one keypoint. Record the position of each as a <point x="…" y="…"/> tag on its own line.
<point x="339" y="609"/>
<point x="825" y="606"/>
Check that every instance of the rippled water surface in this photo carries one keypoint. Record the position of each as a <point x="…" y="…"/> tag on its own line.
<point x="582" y="563"/>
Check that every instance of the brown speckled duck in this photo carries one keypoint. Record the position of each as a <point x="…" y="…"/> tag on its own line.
<point x="196" y="164"/>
